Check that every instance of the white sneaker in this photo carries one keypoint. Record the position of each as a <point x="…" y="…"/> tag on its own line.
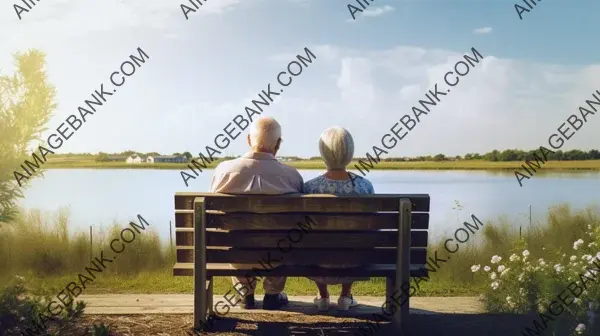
<point x="346" y="302"/>
<point x="322" y="303"/>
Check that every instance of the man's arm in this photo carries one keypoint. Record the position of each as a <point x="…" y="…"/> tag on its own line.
<point x="300" y="182"/>
<point x="216" y="179"/>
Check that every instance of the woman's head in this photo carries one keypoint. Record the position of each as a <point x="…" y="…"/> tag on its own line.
<point x="336" y="147"/>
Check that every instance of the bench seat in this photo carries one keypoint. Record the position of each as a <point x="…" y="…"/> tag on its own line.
<point x="214" y="270"/>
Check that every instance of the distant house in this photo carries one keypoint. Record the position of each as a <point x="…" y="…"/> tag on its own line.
<point x="149" y="159"/>
<point x="170" y="159"/>
<point x="134" y="159"/>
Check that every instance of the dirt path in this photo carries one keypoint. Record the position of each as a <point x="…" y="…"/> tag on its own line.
<point x="164" y="315"/>
<point x="183" y="303"/>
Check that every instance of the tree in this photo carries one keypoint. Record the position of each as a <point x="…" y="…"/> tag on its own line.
<point x="102" y="157"/>
<point x="26" y="105"/>
<point x="176" y="154"/>
<point x="127" y="153"/>
<point x="188" y="155"/>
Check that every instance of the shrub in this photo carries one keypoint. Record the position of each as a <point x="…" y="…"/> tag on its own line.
<point x="22" y="314"/>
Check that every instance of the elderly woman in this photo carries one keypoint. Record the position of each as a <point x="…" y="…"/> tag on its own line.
<point x="337" y="149"/>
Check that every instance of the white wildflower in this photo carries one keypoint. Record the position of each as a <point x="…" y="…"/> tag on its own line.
<point x="558" y="268"/>
<point x="487" y="268"/>
<point x="520" y="278"/>
<point x="577" y="243"/>
<point x="493" y="276"/>
<point x="522" y="291"/>
<point x="525" y="254"/>
<point x="586" y="257"/>
<point x="496" y="259"/>
<point x="514" y="257"/>
<point x="580" y="328"/>
<point x="573" y="258"/>
<point x="542" y="262"/>
<point x="501" y="268"/>
<point x="475" y="268"/>
<point x="495" y="285"/>
<point x="591" y="316"/>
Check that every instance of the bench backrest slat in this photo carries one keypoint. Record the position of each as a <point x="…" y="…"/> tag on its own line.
<point x="302" y="256"/>
<point x="316" y="239"/>
<point x="329" y="221"/>
<point x="314" y="203"/>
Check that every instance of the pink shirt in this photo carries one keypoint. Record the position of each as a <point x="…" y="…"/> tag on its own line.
<point x="256" y="173"/>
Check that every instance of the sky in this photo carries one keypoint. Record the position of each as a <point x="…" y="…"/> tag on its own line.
<point x="368" y="72"/>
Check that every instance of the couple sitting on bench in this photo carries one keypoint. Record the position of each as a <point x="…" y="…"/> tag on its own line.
<point x="259" y="172"/>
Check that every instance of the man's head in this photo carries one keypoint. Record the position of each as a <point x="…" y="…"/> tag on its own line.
<point x="265" y="135"/>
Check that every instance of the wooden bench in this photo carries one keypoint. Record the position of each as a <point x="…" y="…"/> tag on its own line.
<point x="386" y="233"/>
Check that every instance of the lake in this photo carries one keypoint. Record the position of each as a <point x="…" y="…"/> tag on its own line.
<point x="99" y="197"/>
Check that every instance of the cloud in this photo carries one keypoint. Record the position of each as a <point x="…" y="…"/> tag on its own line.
<point x="377" y="11"/>
<point x="484" y="30"/>
<point x="62" y="19"/>
<point x="501" y="103"/>
<point x="371" y="12"/>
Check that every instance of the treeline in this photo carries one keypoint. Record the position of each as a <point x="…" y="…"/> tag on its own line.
<point x="495" y="155"/>
<point x="505" y="155"/>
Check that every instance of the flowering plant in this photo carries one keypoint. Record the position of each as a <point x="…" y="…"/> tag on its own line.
<point x="561" y="292"/>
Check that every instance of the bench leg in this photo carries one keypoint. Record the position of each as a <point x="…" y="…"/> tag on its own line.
<point x="200" y="291"/>
<point x="400" y="301"/>
<point x="210" y="296"/>
<point x="200" y="304"/>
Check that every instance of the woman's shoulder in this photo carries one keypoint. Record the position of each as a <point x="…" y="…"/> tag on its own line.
<point x="313" y="183"/>
<point x="363" y="185"/>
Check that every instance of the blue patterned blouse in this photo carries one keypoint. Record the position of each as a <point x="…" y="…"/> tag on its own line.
<point x="323" y="185"/>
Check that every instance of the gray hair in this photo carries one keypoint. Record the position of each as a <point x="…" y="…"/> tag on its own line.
<point x="264" y="133"/>
<point x="336" y="147"/>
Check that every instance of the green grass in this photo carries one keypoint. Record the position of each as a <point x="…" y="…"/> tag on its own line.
<point x="163" y="282"/>
<point x="49" y="256"/>
<point x="67" y="163"/>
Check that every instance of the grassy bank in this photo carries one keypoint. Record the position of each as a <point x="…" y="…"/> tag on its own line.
<point x="44" y="251"/>
<point x="317" y="164"/>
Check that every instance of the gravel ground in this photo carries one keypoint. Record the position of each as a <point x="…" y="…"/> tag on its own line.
<point x="294" y="324"/>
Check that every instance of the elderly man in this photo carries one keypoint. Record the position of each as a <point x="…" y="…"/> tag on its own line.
<point x="258" y="172"/>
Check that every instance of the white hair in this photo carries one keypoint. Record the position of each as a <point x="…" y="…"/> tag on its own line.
<point x="264" y="133"/>
<point x="336" y="147"/>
